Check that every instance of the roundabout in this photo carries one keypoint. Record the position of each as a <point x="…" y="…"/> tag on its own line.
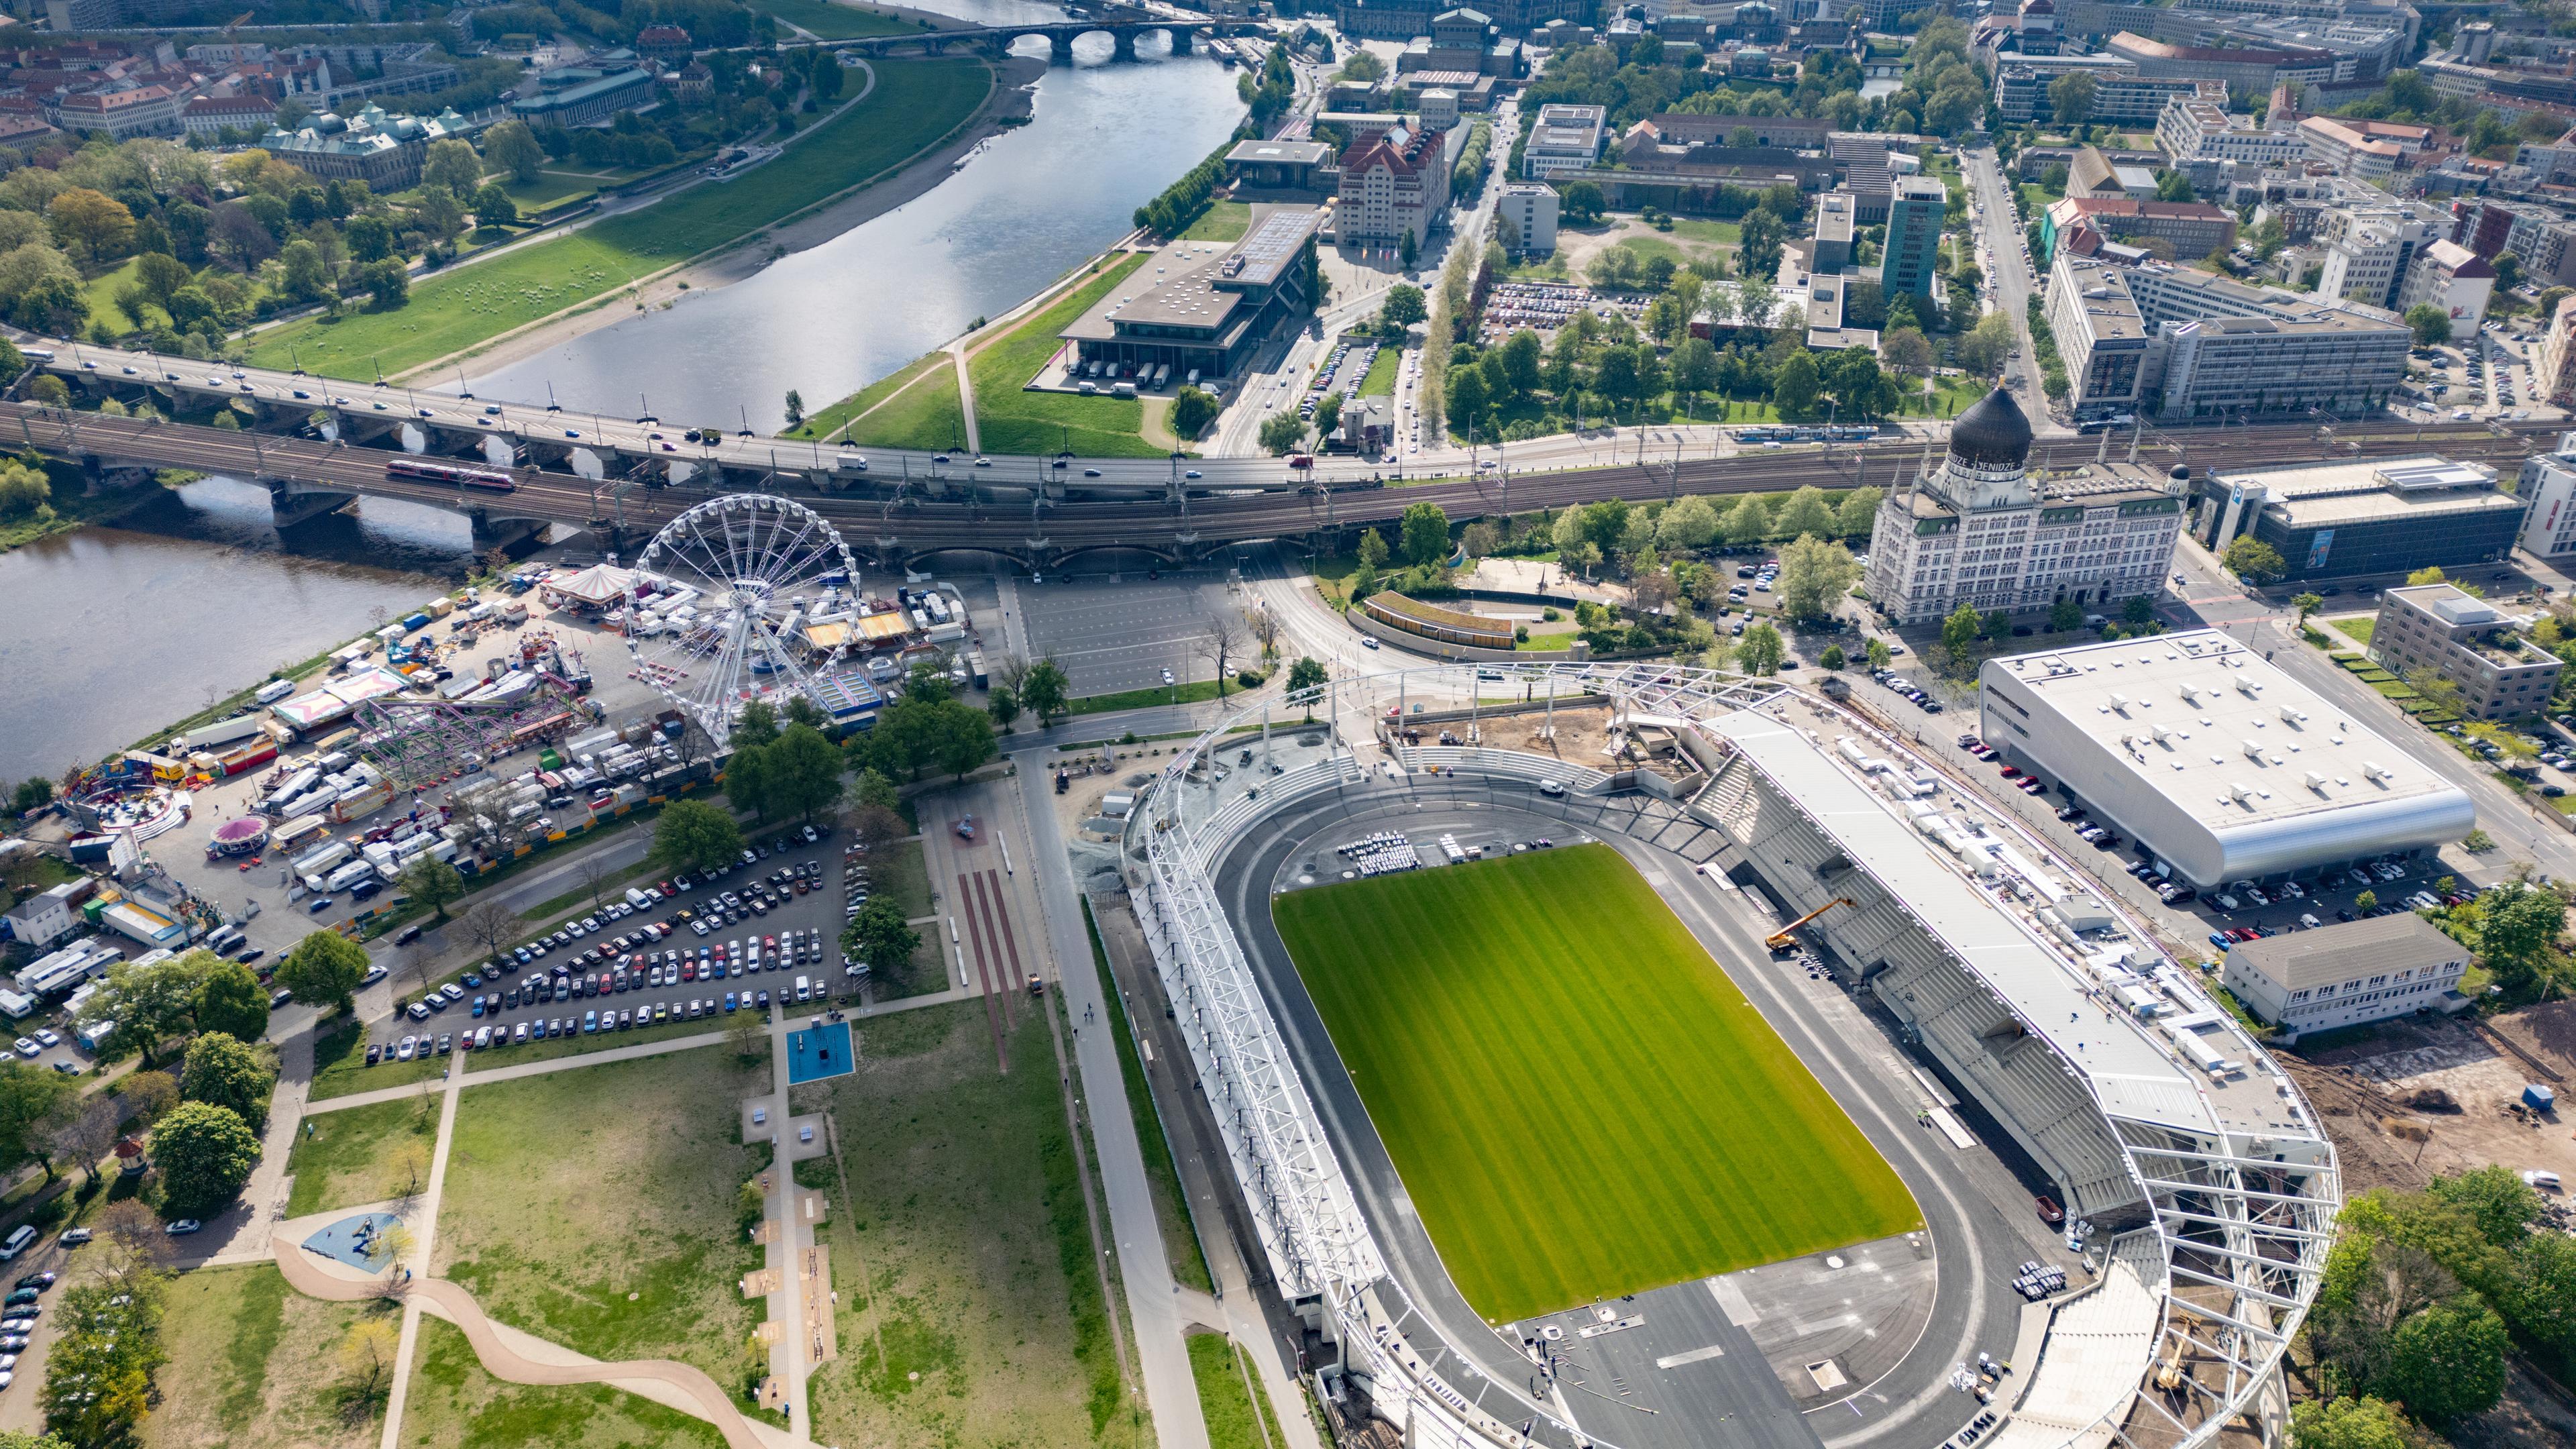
<point x="1883" y="1339"/>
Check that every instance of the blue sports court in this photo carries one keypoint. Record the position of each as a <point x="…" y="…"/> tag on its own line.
<point x="818" y="1052"/>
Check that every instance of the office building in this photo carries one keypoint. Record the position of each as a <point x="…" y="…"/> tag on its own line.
<point x="1405" y="19"/>
<point x="2218" y="761"/>
<point x="2100" y="336"/>
<point x="2449" y="276"/>
<point x="2122" y="94"/>
<point x="2234" y="351"/>
<point x="1531" y="209"/>
<point x="2247" y="72"/>
<point x="2362" y="516"/>
<point x="2362" y="150"/>
<point x="1977" y="530"/>
<point x="1833" y="234"/>
<point x="1913" y="248"/>
<point x="2347" y="974"/>
<point x="1394" y="187"/>
<point x="2189" y="230"/>
<point x="2194" y="129"/>
<point x="578" y="95"/>
<point x="1266" y="165"/>
<point x="2549" y="486"/>
<point x="2468" y="641"/>
<point x="1564" y="138"/>
<point x="2369" y="251"/>
<point x="1205" y="307"/>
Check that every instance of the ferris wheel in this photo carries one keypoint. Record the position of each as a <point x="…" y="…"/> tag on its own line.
<point x="732" y="602"/>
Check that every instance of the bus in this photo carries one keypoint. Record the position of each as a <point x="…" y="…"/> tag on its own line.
<point x="417" y="470"/>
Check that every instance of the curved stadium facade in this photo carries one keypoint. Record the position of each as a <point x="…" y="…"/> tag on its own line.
<point x="2210" y="1187"/>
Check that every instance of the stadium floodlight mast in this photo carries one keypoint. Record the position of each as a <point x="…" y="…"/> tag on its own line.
<point x="717" y="612"/>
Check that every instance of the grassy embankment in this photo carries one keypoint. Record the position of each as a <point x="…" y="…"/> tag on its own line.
<point x="834" y="22"/>
<point x="914" y="407"/>
<point x="254" y="1365"/>
<point x="1009" y="420"/>
<point x="1380" y="381"/>
<point x="1231" y="1399"/>
<point x="1171" y="1204"/>
<point x="915" y="106"/>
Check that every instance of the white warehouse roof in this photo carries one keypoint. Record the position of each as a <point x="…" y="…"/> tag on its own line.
<point x="2214" y="757"/>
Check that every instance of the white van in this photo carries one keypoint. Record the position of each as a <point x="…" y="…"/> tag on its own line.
<point x="18" y="1242"/>
<point x="638" y="899"/>
<point x="804" y="988"/>
<point x="225" y="940"/>
<point x="2541" y="1178"/>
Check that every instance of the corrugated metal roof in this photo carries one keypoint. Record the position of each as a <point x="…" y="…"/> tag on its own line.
<point x="2300" y="959"/>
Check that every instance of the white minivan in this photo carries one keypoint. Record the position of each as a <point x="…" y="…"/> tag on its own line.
<point x="18" y="1242"/>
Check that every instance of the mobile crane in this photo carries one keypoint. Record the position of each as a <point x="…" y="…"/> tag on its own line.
<point x="1782" y="940"/>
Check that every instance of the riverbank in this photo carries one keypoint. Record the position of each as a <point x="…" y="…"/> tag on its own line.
<point x="1007" y="104"/>
<point x="73" y="507"/>
<point x="913" y="111"/>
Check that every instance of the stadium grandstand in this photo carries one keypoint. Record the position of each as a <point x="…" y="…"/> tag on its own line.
<point x="2197" y="1179"/>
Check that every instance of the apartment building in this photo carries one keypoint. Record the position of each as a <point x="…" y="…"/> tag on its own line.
<point x="2192" y="229"/>
<point x="1913" y="248"/>
<point x="2541" y="240"/>
<point x="2100" y="336"/>
<point x="2549" y="483"/>
<point x="1395" y="186"/>
<point x="2122" y="93"/>
<point x="2363" y="150"/>
<point x="1532" y="210"/>
<point x="2471" y="643"/>
<point x="2448" y="275"/>
<point x="2370" y="250"/>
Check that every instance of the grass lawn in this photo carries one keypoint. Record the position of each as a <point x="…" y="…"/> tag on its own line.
<point x="1950" y="394"/>
<point x="1009" y="420"/>
<point x="595" y="1208"/>
<point x="99" y="294"/>
<point x="971" y="1312"/>
<point x="1171" y="1205"/>
<point x="833" y="22"/>
<point x="1224" y="1403"/>
<point x="551" y="189"/>
<point x="343" y="1159"/>
<point x="902" y="876"/>
<point x="454" y="1404"/>
<point x="928" y="415"/>
<point x="1225" y="221"/>
<point x="2356" y="628"/>
<point x="1713" y="233"/>
<point x="253" y="1365"/>
<point x="340" y="1063"/>
<point x="1380" y="381"/>
<point x="1521" y="1064"/>
<point x="1188" y="692"/>
<point x="915" y="104"/>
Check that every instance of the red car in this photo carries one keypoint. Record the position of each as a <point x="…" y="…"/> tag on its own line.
<point x="2012" y="772"/>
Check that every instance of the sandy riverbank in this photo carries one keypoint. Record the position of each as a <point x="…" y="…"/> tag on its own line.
<point x="1013" y="95"/>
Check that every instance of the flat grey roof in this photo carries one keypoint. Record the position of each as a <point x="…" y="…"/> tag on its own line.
<point x="2296" y="960"/>
<point x="2194" y="717"/>
<point x="1297" y="153"/>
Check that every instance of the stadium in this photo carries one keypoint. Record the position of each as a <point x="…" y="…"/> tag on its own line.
<point x="1546" y="1146"/>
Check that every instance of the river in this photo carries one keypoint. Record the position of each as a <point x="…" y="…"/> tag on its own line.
<point x="829" y="320"/>
<point x="115" y="632"/>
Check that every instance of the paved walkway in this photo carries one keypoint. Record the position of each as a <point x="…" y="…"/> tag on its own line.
<point x="510" y="1354"/>
<point x="424" y="1245"/>
<point x="792" y="1236"/>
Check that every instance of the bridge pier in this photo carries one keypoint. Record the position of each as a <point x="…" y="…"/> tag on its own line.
<point x="1181" y="38"/>
<point x="1060" y="48"/>
<point x="505" y="534"/>
<point x="1122" y="45"/>
<point x="289" y="505"/>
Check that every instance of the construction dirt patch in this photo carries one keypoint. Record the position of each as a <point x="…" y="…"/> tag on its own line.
<point x="2416" y="1098"/>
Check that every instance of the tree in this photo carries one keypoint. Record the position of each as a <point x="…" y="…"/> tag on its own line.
<point x="1583" y="202"/>
<point x="2518" y="929"/>
<point x="1879" y="655"/>
<point x="149" y="1002"/>
<point x="206" y="1153"/>
<point x="2253" y="560"/>
<point x="1833" y="657"/>
<point x="494" y="208"/>
<point x="693" y="835"/>
<point x="386" y="283"/>
<point x="2447" y="1362"/>
<point x="2430" y="324"/>
<point x="879" y="937"/>
<point x="1192" y="410"/>
<point x="231" y="1000"/>
<point x="1794" y="387"/>
<point x="2306" y="604"/>
<point x="91" y="223"/>
<point x="98" y="1377"/>
<point x="433" y="882"/>
<point x="2065" y="614"/>
<point x="452" y="166"/>
<point x="1305" y="673"/>
<point x="2137" y="611"/>
<point x="965" y="738"/>
<point x="1044" y="691"/>
<point x="1907" y="352"/>
<point x="1328" y="414"/>
<point x="1003" y="704"/>
<point x="1282" y="433"/>
<point x="795" y="407"/>
<point x="1222" y="641"/>
<point x="1959" y="635"/>
<point x="28" y="1096"/>
<point x="803" y="772"/>
<point x="513" y="147"/>
<point x="1372" y="549"/>
<point x="222" y="1072"/>
<point x="1403" y="307"/>
<point x="1426" y="534"/>
<point x="366" y="1359"/>
<point x="148" y="1096"/>
<point x="1806" y="512"/>
<point x="1748" y="522"/>
<point x="307" y="278"/>
<point x="323" y="970"/>
<point x="80" y="1130"/>
<point x="2070" y="98"/>
<point x="1690" y="523"/>
<point x="491" y="926"/>
<point x="1813" y="574"/>
<point x="1760" y="650"/>
<point x="2347" y="1423"/>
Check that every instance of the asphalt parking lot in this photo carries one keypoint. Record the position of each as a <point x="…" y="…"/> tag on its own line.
<point x="1121" y="631"/>
<point x="690" y="974"/>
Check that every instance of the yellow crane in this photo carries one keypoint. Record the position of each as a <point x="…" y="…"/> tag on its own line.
<point x="1781" y="940"/>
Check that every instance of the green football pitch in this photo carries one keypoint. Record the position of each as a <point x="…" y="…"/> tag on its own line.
<point x="1580" y="1103"/>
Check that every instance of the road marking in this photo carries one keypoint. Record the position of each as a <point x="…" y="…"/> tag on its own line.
<point x="1697" y="1355"/>
<point x="1739" y="1309"/>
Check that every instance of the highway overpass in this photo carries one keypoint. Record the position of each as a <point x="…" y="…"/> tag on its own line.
<point x="1004" y="511"/>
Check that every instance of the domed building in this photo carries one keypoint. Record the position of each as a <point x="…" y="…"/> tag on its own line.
<point x="1978" y="529"/>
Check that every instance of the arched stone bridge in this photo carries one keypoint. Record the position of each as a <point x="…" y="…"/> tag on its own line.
<point x="1060" y="35"/>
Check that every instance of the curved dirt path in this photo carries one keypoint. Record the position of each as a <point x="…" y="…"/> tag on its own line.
<point x="689" y="1388"/>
